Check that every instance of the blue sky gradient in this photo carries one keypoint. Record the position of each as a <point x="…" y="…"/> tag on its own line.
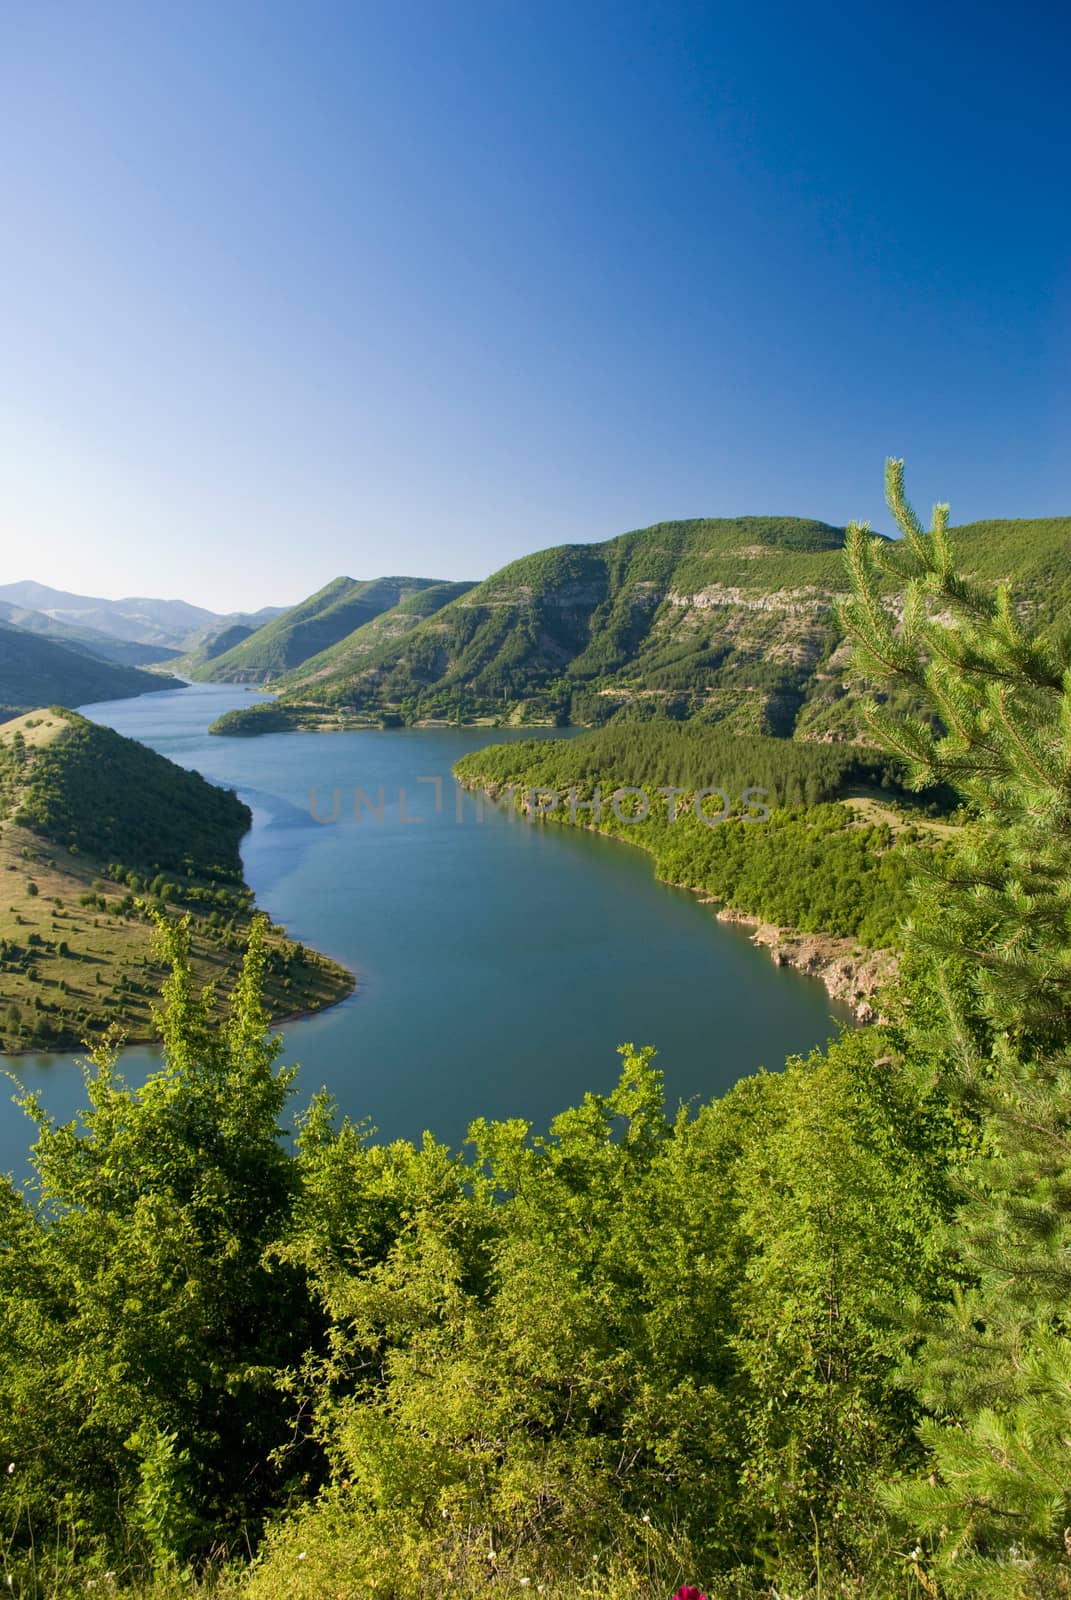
<point x="292" y="290"/>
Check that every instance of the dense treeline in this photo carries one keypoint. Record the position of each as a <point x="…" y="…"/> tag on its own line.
<point x="689" y="756"/>
<point x="264" y="717"/>
<point x="810" y="1340"/>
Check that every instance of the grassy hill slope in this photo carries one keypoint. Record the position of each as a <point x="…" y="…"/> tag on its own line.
<point x="36" y="670"/>
<point x="95" y="830"/>
<point x="208" y="649"/>
<point x="336" y="610"/>
<point x="727" y="620"/>
<point x="367" y="642"/>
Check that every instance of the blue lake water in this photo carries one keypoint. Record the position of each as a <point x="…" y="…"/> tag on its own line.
<point x="500" y="963"/>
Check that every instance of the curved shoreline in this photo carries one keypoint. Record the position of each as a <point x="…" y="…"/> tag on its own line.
<point x="851" y="973"/>
<point x="138" y="1040"/>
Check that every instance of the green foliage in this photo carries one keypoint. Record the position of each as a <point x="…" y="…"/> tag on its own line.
<point x="562" y="1347"/>
<point x="135" y="1281"/>
<point x="987" y="1005"/>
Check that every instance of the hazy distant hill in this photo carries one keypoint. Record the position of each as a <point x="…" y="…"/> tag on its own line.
<point x="175" y="625"/>
<point x="126" y="651"/>
<point x="326" y="617"/>
<point x="730" y="620"/>
<point x="35" y="671"/>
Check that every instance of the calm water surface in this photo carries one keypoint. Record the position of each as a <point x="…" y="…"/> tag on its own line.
<point x="500" y="964"/>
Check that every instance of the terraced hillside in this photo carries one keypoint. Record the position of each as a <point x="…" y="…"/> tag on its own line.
<point x="729" y="620"/>
<point x="326" y="617"/>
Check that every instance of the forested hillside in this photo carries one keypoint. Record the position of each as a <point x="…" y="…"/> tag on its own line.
<point x="815" y="838"/>
<point x="731" y="621"/>
<point x="319" y="622"/>
<point x="809" y="1339"/>
<point x="368" y="641"/>
<point x="96" y="834"/>
<point x="36" y="670"/>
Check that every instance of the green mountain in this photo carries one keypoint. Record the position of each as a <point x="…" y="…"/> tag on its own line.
<point x="365" y="643"/>
<point x="308" y="629"/>
<point x="729" y="620"/>
<point x="97" y="832"/>
<point x="194" y="660"/>
<point x="36" y="670"/>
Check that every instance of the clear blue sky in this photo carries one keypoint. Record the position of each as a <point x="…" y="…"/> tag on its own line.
<point x="298" y="289"/>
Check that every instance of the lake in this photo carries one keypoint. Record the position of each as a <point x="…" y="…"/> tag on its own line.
<point x="500" y="963"/>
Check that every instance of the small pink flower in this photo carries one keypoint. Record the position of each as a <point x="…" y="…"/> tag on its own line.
<point x="689" y="1592"/>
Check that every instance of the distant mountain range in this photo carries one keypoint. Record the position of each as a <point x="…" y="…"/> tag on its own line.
<point x="728" y="620"/>
<point x="174" y="625"/>
<point x="89" y="640"/>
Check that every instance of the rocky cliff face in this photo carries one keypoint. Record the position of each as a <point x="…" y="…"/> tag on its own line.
<point x="851" y="974"/>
